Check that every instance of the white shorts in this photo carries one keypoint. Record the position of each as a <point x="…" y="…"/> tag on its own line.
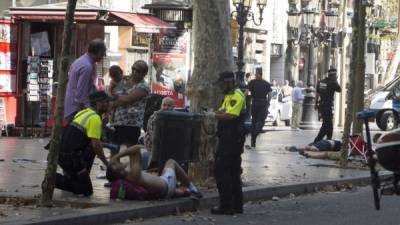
<point x="169" y="177"/>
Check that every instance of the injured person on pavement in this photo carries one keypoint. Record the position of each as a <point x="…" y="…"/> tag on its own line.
<point x="323" y="149"/>
<point x="164" y="186"/>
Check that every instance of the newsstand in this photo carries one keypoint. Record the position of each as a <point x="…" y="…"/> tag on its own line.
<point x="177" y="136"/>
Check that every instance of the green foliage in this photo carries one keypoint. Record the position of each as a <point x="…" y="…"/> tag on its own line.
<point x="391" y="7"/>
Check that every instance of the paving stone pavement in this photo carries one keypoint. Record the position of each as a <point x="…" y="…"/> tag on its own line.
<point x="23" y="161"/>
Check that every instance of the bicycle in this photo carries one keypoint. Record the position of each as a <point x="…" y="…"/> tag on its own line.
<point x="387" y="154"/>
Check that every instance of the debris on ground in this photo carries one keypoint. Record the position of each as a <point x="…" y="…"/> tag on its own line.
<point x="23" y="160"/>
<point x="275" y="198"/>
<point x="3" y="214"/>
<point x="30" y="185"/>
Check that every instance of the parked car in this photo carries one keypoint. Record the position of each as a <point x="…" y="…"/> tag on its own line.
<point x="280" y="108"/>
<point x="387" y="111"/>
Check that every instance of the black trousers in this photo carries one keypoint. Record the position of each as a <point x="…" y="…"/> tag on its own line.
<point x="327" y="123"/>
<point x="126" y="135"/>
<point x="72" y="180"/>
<point x="248" y="108"/>
<point x="227" y="173"/>
<point x="258" y="115"/>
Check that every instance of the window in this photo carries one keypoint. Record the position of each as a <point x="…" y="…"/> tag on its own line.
<point x="140" y="39"/>
<point x="276" y="50"/>
<point x="107" y="40"/>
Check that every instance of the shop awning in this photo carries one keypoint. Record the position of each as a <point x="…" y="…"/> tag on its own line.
<point x="55" y="12"/>
<point x="43" y="17"/>
<point x="143" y="23"/>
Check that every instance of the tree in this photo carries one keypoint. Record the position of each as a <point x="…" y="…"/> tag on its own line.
<point x="52" y="158"/>
<point x="358" y="96"/>
<point x="357" y="70"/>
<point x="212" y="55"/>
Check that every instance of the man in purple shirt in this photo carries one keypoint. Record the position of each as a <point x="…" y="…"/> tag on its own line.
<point x="81" y="79"/>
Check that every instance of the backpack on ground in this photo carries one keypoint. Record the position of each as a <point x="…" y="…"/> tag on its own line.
<point x="123" y="189"/>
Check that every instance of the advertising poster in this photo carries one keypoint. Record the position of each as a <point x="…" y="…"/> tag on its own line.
<point x="7" y="59"/>
<point x="170" y="69"/>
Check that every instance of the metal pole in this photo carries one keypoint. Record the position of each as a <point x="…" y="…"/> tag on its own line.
<point x="309" y="115"/>
<point x="240" y="62"/>
<point x="310" y="62"/>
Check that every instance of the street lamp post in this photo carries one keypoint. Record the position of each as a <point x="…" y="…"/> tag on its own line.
<point x="311" y="25"/>
<point x="242" y="15"/>
<point x="313" y="34"/>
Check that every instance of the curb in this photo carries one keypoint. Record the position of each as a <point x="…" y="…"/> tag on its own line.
<point x="104" y="215"/>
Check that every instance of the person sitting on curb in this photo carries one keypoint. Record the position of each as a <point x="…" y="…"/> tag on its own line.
<point x="323" y="149"/>
<point x="163" y="186"/>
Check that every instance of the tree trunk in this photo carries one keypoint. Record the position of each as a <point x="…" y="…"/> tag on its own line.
<point x="52" y="158"/>
<point x="351" y="84"/>
<point x="288" y="61"/>
<point x="358" y="98"/>
<point x="343" y="63"/>
<point x="291" y="60"/>
<point x="212" y="55"/>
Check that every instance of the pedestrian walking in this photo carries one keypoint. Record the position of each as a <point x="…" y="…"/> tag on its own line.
<point x="297" y="102"/>
<point x="231" y="136"/>
<point x="326" y="89"/>
<point x="81" y="79"/>
<point x="80" y="144"/>
<point x="248" y="96"/>
<point x="286" y="89"/>
<point x="274" y="83"/>
<point x="260" y="91"/>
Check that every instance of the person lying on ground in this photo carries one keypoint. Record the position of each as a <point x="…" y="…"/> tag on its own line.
<point x="323" y="149"/>
<point x="163" y="186"/>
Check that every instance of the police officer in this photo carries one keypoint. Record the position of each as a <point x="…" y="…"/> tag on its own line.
<point x="231" y="136"/>
<point x="80" y="144"/>
<point x="260" y="97"/>
<point x="326" y="89"/>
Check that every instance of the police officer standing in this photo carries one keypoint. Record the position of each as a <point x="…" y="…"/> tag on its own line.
<point x="231" y="136"/>
<point x="326" y="89"/>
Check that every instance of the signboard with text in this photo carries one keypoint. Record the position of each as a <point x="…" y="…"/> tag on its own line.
<point x="170" y="72"/>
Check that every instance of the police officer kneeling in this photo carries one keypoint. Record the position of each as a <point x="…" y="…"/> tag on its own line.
<point x="230" y="116"/>
<point x="80" y="144"/>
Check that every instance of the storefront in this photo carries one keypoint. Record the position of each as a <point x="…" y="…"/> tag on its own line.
<point x="39" y="41"/>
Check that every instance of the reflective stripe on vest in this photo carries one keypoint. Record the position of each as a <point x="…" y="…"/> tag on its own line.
<point x="81" y="125"/>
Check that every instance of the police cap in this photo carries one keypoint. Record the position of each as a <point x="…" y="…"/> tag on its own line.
<point x="99" y="96"/>
<point x="332" y="72"/>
